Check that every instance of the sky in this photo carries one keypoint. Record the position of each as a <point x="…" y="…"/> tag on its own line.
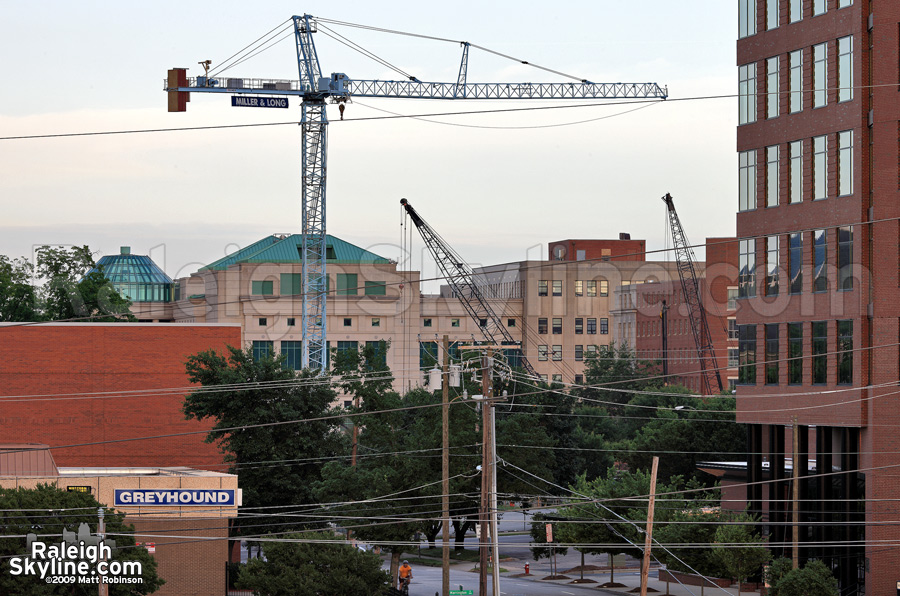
<point x="497" y="186"/>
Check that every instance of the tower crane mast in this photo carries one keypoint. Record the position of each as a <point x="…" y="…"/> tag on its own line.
<point x="690" y="287"/>
<point x="462" y="280"/>
<point x="314" y="90"/>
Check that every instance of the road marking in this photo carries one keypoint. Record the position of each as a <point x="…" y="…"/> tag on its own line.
<point x="572" y="593"/>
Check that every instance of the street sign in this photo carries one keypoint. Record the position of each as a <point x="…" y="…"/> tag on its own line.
<point x="462" y="592"/>
<point x="258" y="102"/>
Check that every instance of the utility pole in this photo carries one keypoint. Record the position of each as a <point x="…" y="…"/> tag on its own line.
<point x="445" y="470"/>
<point x="648" y="540"/>
<point x="795" y="546"/>
<point x="101" y="537"/>
<point x="486" y="456"/>
<point x="495" y="533"/>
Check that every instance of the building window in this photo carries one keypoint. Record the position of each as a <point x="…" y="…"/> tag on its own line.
<point x="845" y="352"/>
<point x="747" y="93"/>
<point x="820" y="73"/>
<point x="557" y="378"/>
<point x="263" y="321"/>
<point x="819" y="352"/>
<point x="772" y="266"/>
<point x="376" y="288"/>
<point x="795" y="10"/>
<point x="732" y="298"/>
<point x="579" y="379"/>
<point x="543" y="287"/>
<point x="482" y="322"/>
<point x="510" y="322"/>
<point x="795" y="261"/>
<point x="845" y="68"/>
<point x="820" y="261"/>
<point x="542" y="352"/>
<point x="820" y="168"/>
<point x="592" y="326"/>
<point x="542" y="326"/>
<point x="454" y="322"/>
<point x="376" y="322"/>
<point x="262" y="288"/>
<point x="604" y="287"/>
<point x="591" y="352"/>
<point x="746" y="180"/>
<point x="557" y="326"/>
<point x="557" y="353"/>
<point x="772" y="179"/>
<point x="592" y="288"/>
<point x="845" y="258"/>
<point x="819" y="7"/>
<point x="292" y="352"/>
<point x="348" y="321"/>
<point x="346" y="284"/>
<point x="773" y="71"/>
<point x="557" y="287"/>
<point x="772" y="354"/>
<point x="262" y="349"/>
<point x="291" y="284"/>
<point x="845" y="3"/>
<point x="428" y="354"/>
<point x="732" y="357"/>
<point x="426" y="322"/>
<point x="747" y="268"/>
<point x="795" y="353"/>
<point x="543" y="378"/>
<point x="746" y="18"/>
<point x="796" y="172"/>
<point x="747" y="354"/>
<point x="579" y="353"/>
<point x="579" y="326"/>
<point x="771" y="14"/>
<point x="291" y="322"/>
<point x="845" y="163"/>
<point x="796" y="60"/>
<point x="604" y="326"/>
<point x="579" y="288"/>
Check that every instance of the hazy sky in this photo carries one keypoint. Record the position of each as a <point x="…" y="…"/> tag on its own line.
<point x="498" y="186"/>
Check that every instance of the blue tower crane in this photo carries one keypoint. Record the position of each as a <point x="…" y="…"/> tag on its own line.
<point x="314" y="91"/>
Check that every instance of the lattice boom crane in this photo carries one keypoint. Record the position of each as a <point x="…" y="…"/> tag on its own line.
<point x="314" y="90"/>
<point x="690" y="286"/>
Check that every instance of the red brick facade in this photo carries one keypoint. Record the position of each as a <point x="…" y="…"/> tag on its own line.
<point x="844" y="408"/>
<point x="588" y="250"/>
<point x="109" y="372"/>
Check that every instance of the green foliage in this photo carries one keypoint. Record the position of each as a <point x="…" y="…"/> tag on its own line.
<point x="813" y="579"/>
<point x="276" y="464"/>
<point x="18" y="299"/>
<point x="46" y="511"/>
<point x="739" y="550"/>
<point x="313" y="569"/>
<point x="614" y="369"/>
<point x="540" y="548"/>
<point x="700" y="431"/>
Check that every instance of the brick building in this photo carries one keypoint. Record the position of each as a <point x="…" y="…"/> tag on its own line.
<point x="818" y="206"/>
<point x="718" y="287"/>
<point x="189" y="542"/>
<point x="91" y="384"/>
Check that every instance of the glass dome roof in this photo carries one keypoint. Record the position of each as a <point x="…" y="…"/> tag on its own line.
<point x="136" y="277"/>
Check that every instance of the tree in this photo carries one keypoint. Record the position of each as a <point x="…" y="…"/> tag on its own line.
<point x="739" y="549"/>
<point x="18" y="299"/>
<point x="47" y="511"/>
<point x="299" y="426"/>
<point x="700" y="430"/>
<point x="540" y="548"/>
<point x="71" y="290"/>
<point x="813" y="579"/>
<point x="307" y="565"/>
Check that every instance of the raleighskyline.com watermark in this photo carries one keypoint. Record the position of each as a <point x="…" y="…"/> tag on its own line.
<point x="81" y="563"/>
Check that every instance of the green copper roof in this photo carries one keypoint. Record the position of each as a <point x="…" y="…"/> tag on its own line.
<point x="275" y="249"/>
